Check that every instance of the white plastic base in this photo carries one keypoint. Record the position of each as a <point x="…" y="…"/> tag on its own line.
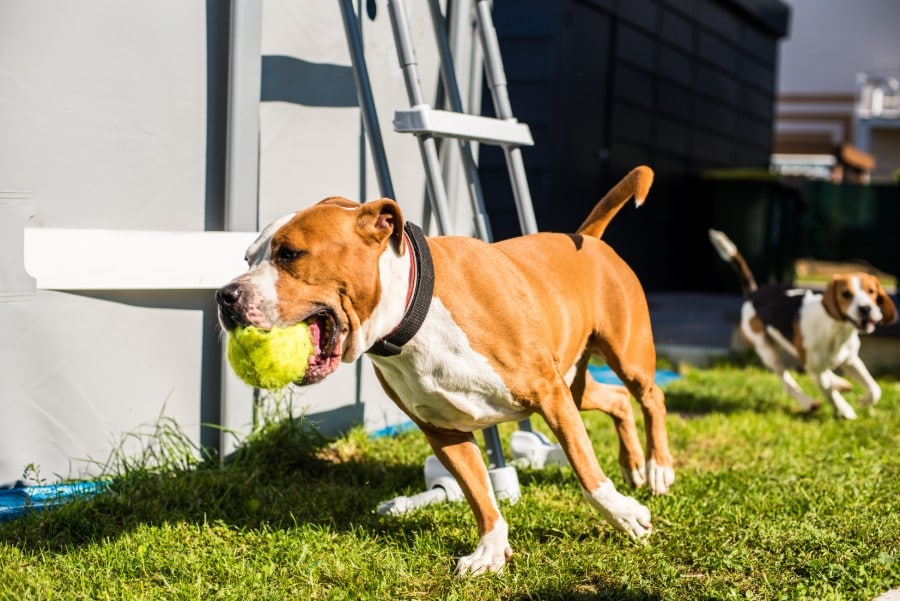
<point x="533" y="449"/>
<point x="505" y="482"/>
<point x="441" y="486"/>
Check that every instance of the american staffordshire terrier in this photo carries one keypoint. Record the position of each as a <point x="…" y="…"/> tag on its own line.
<point x="464" y="335"/>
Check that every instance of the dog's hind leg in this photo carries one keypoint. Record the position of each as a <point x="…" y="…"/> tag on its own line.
<point x="636" y="366"/>
<point x="622" y="512"/>
<point x="615" y="401"/>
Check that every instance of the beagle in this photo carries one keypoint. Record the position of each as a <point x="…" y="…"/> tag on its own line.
<point x="791" y="328"/>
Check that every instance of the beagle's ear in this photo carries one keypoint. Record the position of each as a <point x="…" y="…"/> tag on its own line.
<point x="888" y="309"/>
<point x="830" y="300"/>
<point x="381" y="220"/>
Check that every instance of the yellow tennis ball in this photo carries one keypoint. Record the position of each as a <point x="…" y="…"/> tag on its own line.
<point x="270" y="359"/>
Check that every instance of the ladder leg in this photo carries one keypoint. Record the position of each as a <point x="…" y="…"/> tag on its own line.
<point x="427" y="144"/>
<point x="448" y="77"/>
<point x="428" y="148"/>
<point x="366" y="98"/>
<point x="493" y="63"/>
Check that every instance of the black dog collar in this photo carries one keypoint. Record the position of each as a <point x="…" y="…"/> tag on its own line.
<point x="420" y="300"/>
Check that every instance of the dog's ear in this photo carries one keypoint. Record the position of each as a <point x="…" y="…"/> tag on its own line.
<point x="830" y="300"/>
<point x="382" y="220"/>
<point x="339" y="201"/>
<point x="888" y="309"/>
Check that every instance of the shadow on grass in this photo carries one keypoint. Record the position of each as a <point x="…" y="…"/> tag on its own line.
<point x="737" y="384"/>
<point x="588" y="592"/>
<point x="278" y="480"/>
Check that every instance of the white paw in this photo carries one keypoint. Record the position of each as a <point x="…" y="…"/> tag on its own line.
<point x="490" y="555"/>
<point x="622" y="512"/>
<point x="871" y="397"/>
<point x="636" y="477"/>
<point x="660" y="477"/>
<point x="842" y="407"/>
<point x="846" y="412"/>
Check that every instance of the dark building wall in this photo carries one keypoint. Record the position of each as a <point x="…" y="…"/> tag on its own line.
<point x="680" y="85"/>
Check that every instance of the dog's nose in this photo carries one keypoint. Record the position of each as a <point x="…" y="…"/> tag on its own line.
<point x="865" y="310"/>
<point x="229" y="295"/>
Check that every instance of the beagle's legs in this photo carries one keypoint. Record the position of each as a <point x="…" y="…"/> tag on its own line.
<point x="841" y="406"/>
<point x="857" y="370"/>
<point x="842" y="384"/>
<point x="806" y="402"/>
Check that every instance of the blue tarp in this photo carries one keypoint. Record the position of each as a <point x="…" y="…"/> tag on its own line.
<point x="605" y="375"/>
<point x="15" y="502"/>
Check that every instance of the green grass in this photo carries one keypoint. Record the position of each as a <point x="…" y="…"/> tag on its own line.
<point x="767" y="504"/>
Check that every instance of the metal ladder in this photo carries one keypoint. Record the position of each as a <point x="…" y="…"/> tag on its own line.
<point x="429" y="124"/>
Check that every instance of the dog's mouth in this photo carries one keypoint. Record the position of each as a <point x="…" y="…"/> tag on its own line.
<point x="865" y="325"/>
<point x="324" y="330"/>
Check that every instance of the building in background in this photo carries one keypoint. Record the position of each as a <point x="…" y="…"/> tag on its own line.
<point x="685" y="86"/>
<point x="838" y="102"/>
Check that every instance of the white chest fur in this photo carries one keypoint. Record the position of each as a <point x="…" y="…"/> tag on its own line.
<point x="444" y="382"/>
<point x="828" y="343"/>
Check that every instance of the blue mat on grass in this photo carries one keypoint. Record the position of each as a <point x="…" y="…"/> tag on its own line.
<point x="15" y="502"/>
<point x="605" y="375"/>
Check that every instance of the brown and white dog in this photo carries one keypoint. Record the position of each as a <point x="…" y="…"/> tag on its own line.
<point x="501" y="331"/>
<point x="792" y="328"/>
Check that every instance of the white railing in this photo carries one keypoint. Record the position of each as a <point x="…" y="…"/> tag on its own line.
<point x="878" y="95"/>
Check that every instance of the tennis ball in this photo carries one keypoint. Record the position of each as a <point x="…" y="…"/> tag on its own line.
<point x="270" y="359"/>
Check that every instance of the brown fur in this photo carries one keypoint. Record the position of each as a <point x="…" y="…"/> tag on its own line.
<point x="637" y="183"/>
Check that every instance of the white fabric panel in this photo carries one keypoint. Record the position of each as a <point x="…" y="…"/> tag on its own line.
<point x="78" y="374"/>
<point x="103" y="111"/>
<point x="311" y="152"/>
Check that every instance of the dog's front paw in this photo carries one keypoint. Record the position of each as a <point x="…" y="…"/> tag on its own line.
<point x="846" y="412"/>
<point x="871" y="397"/>
<point x="842" y="407"/>
<point x="491" y="554"/>
<point x="622" y="512"/>
<point x="660" y="477"/>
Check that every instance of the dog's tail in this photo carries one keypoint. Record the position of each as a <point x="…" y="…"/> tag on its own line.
<point x="637" y="183"/>
<point x="730" y="254"/>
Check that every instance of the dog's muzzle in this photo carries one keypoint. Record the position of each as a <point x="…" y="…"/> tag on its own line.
<point x="227" y="298"/>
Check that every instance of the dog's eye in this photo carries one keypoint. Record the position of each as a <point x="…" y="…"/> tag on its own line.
<point x="847" y="294"/>
<point x="286" y="253"/>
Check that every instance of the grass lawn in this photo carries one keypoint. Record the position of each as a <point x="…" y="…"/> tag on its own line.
<point x="767" y="504"/>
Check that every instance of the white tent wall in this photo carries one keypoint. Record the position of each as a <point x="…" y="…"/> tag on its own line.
<point x="102" y="111"/>
<point x="102" y="117"/>
<point x="107" y="125"/>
